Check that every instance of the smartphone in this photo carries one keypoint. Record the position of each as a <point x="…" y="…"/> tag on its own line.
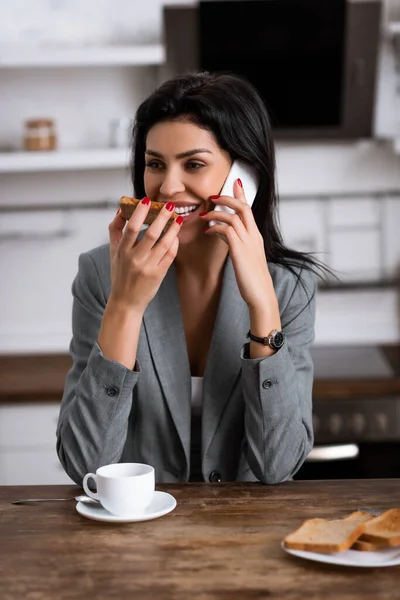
<point x="250" y="181"/>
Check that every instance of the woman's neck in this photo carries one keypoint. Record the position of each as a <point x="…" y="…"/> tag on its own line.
<point x="200" y="260"/>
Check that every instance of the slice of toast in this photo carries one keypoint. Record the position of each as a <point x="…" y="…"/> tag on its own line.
<point x="128" y="207"/>
<point x="359" y="515"/>
<point x="326" y="537"/>
<point x="384" y="529"/>
<point x="363" y="546"/>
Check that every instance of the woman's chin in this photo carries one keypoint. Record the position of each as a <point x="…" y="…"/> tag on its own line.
<point x="189" y="234"/>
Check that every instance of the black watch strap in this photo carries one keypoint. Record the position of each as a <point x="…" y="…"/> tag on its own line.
<point x="274" y="340"/>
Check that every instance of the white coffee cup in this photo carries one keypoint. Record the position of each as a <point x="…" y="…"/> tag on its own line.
<point x="123" y="488"/>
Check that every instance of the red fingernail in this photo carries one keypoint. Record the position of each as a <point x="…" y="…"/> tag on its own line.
<point x="170" y="206"/>
<point x="146" y="200"/>
<point x="206" y="229"/>
<point x="179" y="220"/>
<point x="240" y="182"/>
<point x="202" y="214"/>
<point x="214" y="197"/>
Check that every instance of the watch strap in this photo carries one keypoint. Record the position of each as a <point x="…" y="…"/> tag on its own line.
<point x="270" y="339"/>
<point x="260" y="340"/>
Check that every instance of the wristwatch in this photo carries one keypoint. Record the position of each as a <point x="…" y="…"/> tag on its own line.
<point x="274" y="340"/>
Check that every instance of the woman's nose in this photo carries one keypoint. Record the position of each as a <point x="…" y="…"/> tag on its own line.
<point x="171" y="184"/>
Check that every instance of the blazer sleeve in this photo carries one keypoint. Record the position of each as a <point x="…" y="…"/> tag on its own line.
<point x="93" y="420"/>
<point x="278" y="389"/>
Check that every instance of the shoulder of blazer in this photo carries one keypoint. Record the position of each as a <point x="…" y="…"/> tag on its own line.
<point x="99" y="260"/>
<point x="295" y="288"/>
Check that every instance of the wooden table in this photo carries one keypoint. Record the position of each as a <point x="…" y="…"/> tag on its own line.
<point x="222" y="541"/>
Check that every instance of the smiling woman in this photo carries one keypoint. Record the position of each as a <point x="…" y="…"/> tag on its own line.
<point x="163" y="372"/>
<point x="185" y="164"/>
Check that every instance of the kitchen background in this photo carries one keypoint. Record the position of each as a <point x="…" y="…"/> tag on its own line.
<point x="86" y="66"/>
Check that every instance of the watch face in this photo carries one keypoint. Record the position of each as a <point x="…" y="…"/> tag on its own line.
<point x="278" y="339"/>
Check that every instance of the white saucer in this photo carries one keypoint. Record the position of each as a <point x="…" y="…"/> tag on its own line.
<point x="161" y="505"/>
<point x="386" y="557"/>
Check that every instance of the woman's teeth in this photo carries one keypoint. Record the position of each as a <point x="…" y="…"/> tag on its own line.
<point x="185" y="210"/>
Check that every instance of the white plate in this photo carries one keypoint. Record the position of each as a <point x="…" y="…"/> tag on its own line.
<point x="386" y="557"/>
<point x="161" y="505"/>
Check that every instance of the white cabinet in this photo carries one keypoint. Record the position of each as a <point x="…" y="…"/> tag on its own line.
<point x="28" y="445"/>
<point x="35" y="316"/>
<point x="84" y="90"/>
<point x="355" y="237"/>
<point x="303" y="225"/>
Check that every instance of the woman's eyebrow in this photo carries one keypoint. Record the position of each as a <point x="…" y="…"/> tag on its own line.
<point x="182" y="154"/>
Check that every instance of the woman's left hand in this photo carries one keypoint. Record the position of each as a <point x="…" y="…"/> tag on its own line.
<point x="246" y="247"/>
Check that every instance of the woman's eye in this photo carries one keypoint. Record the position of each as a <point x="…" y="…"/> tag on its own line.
<point x="194" y="166"/>
<point x="153" y="164"/>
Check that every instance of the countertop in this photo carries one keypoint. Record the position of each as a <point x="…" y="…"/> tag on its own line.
<point x="222" y="541"/>
<point x="33" y="378"/>
<point x="340" y="372"/>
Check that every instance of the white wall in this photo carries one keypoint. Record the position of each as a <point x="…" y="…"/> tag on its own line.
<point x="35" y="276"/>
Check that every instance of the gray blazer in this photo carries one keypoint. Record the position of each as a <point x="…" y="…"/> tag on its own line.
<point x="257" y="414"/>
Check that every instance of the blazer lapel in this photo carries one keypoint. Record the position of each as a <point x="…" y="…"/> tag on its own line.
<point x="223" y="362"/>
<point x="164" y="328"/>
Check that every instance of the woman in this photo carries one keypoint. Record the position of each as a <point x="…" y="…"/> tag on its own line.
<point x="163" y="372"/>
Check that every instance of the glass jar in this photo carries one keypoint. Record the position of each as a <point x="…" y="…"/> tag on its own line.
<point x="121" y="132"/>
<point x="39" y="134"/>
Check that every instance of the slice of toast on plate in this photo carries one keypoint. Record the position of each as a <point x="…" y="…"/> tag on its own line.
<point x="359" y="515"/>
<point x="325" y="536"/>
<point x="358" y="531"/>
<point x="361" y="544"/>
<point x="383" y="530"/>
<point x="364" y="546"/>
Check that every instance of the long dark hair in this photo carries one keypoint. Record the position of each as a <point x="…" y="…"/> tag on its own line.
<point x="230" y="108"/>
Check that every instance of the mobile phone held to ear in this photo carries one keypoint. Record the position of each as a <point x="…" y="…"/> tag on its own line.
<point x="250" y="181"/>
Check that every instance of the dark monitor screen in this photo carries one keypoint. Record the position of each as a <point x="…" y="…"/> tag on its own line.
<point x="291" y="50"/>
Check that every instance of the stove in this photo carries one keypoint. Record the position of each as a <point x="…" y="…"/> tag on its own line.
<point x="356" y="412"/>
<point x="356" y="395"/>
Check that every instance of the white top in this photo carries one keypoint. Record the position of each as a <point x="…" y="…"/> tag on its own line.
<point x="197" y="393"/>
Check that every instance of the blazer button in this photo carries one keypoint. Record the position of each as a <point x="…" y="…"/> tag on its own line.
<point x="267" y="384"/>
<point x="215" y="477"/>
<point x="112" y="391"/>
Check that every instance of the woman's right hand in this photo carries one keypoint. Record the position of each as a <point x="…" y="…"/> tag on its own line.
<point x="138" y="267"/>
